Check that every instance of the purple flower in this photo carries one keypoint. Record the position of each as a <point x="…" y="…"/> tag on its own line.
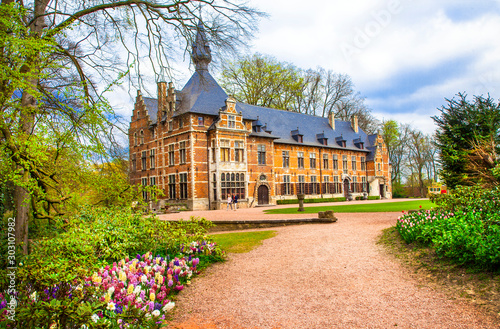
<point x="196" y="261"/>
<point x="170" y="283"/>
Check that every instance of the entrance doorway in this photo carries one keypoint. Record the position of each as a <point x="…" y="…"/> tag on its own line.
<point x="263" y="195"/>
<point x="382" y="191"/>
<point x="346" y="188"/>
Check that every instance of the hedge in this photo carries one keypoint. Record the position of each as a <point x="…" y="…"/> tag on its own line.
<point x="319" y="200"/>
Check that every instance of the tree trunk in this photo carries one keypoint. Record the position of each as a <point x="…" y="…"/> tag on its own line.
<point x="21" y="202"/>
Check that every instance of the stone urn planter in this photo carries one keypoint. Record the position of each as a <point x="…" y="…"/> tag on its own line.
<point x="301" y="201"/>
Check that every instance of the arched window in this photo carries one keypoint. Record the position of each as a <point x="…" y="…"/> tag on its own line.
<point x="135" y="139"/>
<point x="222" y="177"/>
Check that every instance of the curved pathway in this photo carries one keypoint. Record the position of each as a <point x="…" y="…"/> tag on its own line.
<point x="321" y="276"/>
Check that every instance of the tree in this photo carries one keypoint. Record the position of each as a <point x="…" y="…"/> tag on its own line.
<point x="462" y="126"/>
<point x="57" y="59"/>
<point x="264" y="81"/>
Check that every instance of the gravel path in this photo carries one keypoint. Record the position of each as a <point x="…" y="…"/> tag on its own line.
<point x="321" y="276"/>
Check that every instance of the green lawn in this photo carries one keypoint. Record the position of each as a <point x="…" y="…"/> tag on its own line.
<point x="241" y="242"/>
<point x="369" y="207"/>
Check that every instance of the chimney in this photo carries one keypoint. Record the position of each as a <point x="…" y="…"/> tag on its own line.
<point x="331" y="119"/>
<point x="162" y="99"/>
<point x="355" y="123"/>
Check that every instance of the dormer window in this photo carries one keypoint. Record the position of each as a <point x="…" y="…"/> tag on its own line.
<point x="340" y="141"/>
<point x="256" y="125"/>
<point x="297" y="136"/>
<point x="322" y="139"/>
<point x="359" y="144"/>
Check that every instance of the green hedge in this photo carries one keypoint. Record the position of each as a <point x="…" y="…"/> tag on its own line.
<point x="374" y="197"/>
<point x="319" y="200"/>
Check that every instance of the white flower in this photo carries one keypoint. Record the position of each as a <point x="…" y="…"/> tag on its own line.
<point x="95" y="317"/>
<point x="84" y="327"/>
<point x="156" y="313"/>
<point x="137" y="290"/>
<point x="138" y="300"/>
<point x="111" y="306"/>
<point x="111" y="290"/>
<point x="168" y="306"/>
<point x="144" y="279"/>
<point x="33" y="296"/>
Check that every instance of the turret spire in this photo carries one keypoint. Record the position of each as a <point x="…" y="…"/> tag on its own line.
<point x="201" y="54"/>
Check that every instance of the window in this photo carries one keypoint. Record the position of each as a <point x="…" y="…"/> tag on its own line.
<point x="232" y="184"/>
<point x="135" y="139"/>
<point x="261" y="154"/>
<point x="171" y="156"/>
<point x="181" y="123"/>
<point x="363" y="163"/>
<point x="231" y="121"/>
<point x="170" y="126"/>
<point x="183" y="186"/>
<point x="182" y="152"/>
<point x="224" y="150"/>
<point x="312" y="160"/>
<point x="300" y="159"/>
<point x="171" y="186"/>
<point x="327" y="185"/>
<point x="354" y="184"/>
<point x="213" y="150"/>
<point x="152" y="182"/>
<point x="142" y="137"/>
<point x="314" y="185"/>
<point x="134" y="163"/>
<point x="238" y="151"/>
<point x="363" y="181"/>
<point x="286" y="159"/>
<point x="379" y="167"/>
<point x="344" y="164"/>
<point x="286" y="190"/>
<point x="144" y="182"/>
<point x="300" y="138"/>
<point x="325" y="161"/>
<point x="353" y="163"/>
<point x="152" y="159"/>
<point x="335" y="162"/>
<point x="201" y="121"/>
<point x="301" y="184"/>
<point x="153" y="133"/>
<point x="337" y="186"/>
<point x="143" y="160"/>
<point x="214" y="186"/>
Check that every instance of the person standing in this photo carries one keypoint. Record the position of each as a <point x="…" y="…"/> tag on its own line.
<point x="235" y="201"/>
<point x="229" y="202"/>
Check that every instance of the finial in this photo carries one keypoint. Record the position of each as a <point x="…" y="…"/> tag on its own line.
<point x="201" y="54"/>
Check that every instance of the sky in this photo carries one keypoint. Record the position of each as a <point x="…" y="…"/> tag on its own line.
<point x="406" y="57"/>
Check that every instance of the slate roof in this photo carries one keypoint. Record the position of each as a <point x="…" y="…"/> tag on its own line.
<point x="201" y="94"/>
<point x="151" y="107"/>
<point x="282" y="123"/>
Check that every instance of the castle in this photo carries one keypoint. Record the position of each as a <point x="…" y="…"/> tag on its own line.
<point x="200" y="145"/>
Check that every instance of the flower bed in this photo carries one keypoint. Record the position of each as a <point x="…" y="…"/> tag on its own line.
<point x="467" y="238"/>
<point x="131" y="293"/>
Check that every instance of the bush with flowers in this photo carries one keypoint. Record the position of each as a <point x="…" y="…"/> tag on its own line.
<point x="461" y="230"/>
<point x="66" y="282"/>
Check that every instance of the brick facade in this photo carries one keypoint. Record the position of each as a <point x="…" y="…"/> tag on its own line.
<point x="199" y="145"/>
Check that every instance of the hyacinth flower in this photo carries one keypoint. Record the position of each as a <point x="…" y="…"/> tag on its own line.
<point x="146" y="282"/>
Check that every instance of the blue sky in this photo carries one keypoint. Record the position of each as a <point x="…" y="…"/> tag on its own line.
<point x="404" y="56"/>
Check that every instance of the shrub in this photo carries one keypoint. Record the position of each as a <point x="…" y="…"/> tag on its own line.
<point x="374" y="197"/>
<point x="464" y="237"/>
<point x="317" y="200"/>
